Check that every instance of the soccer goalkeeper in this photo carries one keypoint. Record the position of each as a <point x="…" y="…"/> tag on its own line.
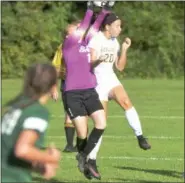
<point x="60" y="67"/>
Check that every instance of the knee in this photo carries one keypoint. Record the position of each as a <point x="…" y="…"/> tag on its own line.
<point x="81" y="133"/>
<point x="125" y="103"/>
<point x="82" y="136"/>
<point x="101" y="125"/>
<point x="99" y="119"/>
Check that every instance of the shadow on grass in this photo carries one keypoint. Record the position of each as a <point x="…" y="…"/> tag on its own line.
<point x="53" y="180"/>
<point x="40" y="179"/>
<point x="169" y="173"/>
<point x="136" y="181"/>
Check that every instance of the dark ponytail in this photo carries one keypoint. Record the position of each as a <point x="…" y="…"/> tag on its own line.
<point x="38" y="80"/>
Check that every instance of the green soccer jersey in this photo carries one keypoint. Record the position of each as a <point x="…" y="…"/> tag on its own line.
<point x="33" y="117"/>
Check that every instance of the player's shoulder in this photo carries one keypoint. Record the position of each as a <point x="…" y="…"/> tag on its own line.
<point x="37" y="110"/>
<point x="35" y="117"/>
<point x="97" y="40"/>
<point x="116" y="42"/>
<point x="99" y="35"/>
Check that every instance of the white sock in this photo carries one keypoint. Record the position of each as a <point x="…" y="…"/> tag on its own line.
<point x="133" y="120"/>
<point x="94" y="152"/>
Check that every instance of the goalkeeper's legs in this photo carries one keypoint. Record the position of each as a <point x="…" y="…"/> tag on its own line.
<point x="97" y="114"/>
<point x="88" y="148"/>
<point x="91" y="169"/>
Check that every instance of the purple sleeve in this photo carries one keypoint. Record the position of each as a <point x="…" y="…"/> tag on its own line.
<point x="96" y="25"/>
<point x="78" y="34"/>
<point x="84" y="25"/>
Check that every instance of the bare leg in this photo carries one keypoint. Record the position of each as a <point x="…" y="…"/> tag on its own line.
<point x="119" y="94"/>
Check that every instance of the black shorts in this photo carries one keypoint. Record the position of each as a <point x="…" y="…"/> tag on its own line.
<point x="81" y="102"/>
<point x="62" y="91"/>
<point x="62" y="83"/>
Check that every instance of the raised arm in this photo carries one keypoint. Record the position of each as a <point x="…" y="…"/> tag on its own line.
<point x="121" y="61"/>
<point x="84" y="25"/>
<point x="78" y="34"/>
<point x="96" y="25"/>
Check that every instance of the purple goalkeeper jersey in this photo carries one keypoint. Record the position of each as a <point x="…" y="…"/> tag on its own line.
<point x="79" y="74"/>
<point x="76" y="54"/>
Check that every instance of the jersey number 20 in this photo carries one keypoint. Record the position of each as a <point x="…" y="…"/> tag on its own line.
<point x="109" y="58"/>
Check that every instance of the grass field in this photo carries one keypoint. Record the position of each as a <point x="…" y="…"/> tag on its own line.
<point x="160" y="104"/>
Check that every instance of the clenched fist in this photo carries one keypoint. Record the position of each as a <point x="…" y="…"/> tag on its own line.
<point x="126" y="43"/>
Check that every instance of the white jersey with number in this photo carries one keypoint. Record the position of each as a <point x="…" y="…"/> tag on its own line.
<point x="106" y="49"/>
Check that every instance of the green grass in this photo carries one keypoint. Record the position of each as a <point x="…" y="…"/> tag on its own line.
<point x="160" y="104"/>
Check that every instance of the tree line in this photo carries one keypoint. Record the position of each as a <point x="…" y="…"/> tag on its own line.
<point x="31" y="32"/>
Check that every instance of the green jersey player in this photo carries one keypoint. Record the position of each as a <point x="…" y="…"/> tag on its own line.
<point x="23" y="128"/>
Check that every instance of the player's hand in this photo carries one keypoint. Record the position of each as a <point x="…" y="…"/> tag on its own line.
<point x="52" y="150"/>
<point x="50" y="168"/>
<point x="47" y="170"/>
<point x="50" y="171"/>
<point x="54" y="95"/>
<point x="38" y="167"/>
<point x="126" y="44"/>
<point x="102" y="58"/>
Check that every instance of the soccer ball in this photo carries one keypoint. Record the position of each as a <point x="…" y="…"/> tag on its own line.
<point x="102" y="3"/>
<point x="99" y="3"/>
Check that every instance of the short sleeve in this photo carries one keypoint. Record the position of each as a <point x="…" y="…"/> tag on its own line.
<point x="118" y="49"/>
<point x="35" y="123"/>
<point x="36" y="120"/>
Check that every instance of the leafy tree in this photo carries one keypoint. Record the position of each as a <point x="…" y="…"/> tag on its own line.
<point x="31" y="31"/>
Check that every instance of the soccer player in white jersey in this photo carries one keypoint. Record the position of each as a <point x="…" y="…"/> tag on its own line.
<point x="106" y="53"/>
